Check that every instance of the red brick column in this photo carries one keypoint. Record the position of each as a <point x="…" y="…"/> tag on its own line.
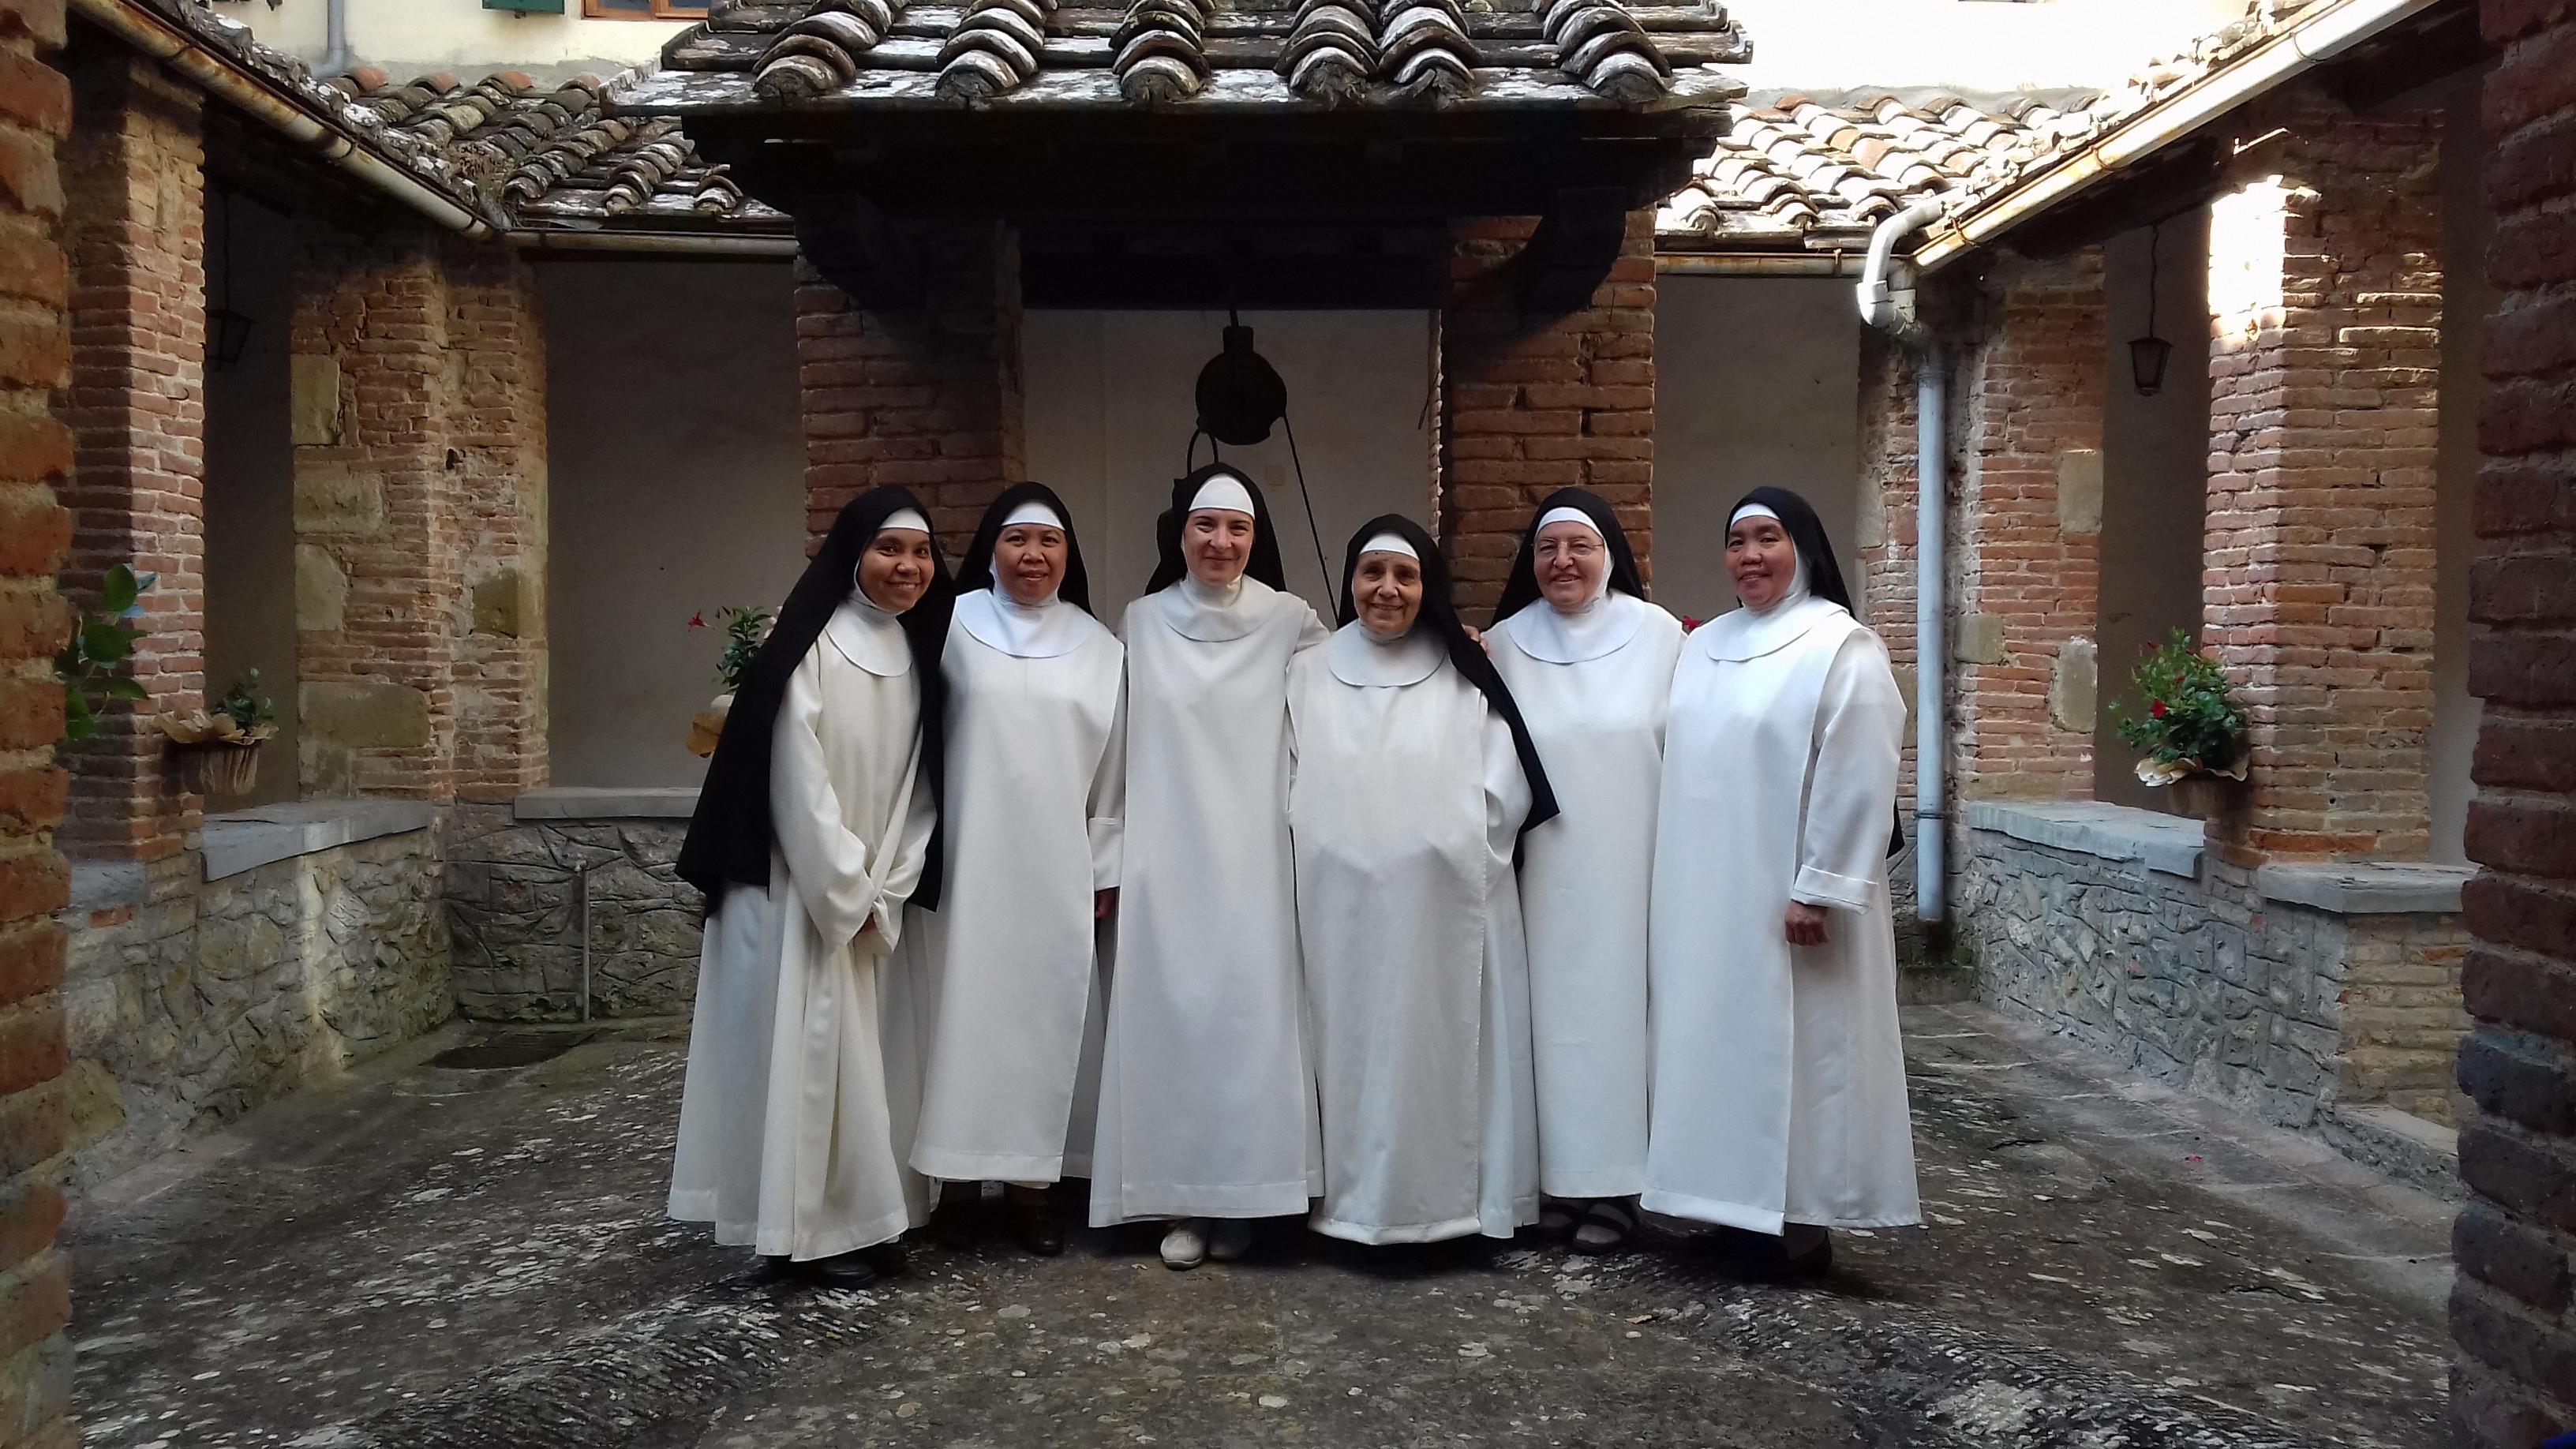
<point x="927" y="397"/>
<point x="1890" y="486"/>
<point x="2025" y="536"/>
<point x="1529" y="405"/>
<point x="36" y="453"/>
<point x="2513" y="1307"/>
<point x="134" y="177"/>
<point x="496" y="366"/>
<point x="2325" y="301"/>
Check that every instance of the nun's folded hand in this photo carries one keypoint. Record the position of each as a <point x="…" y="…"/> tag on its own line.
<point x="1103" y="903"/>
<point x="1478" y="635"/>
<point x="1805" y="924"/>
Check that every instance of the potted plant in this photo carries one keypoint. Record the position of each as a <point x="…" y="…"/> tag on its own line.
<point x="744" y="628"/>
<point x="2192" y="730"/>
<point x="218" y="747"/>
<point x="86" y="664"/>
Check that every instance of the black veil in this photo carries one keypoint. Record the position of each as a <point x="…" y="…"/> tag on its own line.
<point x="975" y="569"/>
<point x="731" y="833"/>
<point x="1170" y="568"/>
<point x="1521" y="590"/>
<point x="1440" y="616"/>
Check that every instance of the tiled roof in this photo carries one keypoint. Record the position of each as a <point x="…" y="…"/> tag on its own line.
<point x="1200" y="55"/>
<point x="523" y="156"/>
<point x="1798" y="172"/>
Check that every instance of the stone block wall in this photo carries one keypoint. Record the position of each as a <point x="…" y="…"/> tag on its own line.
<point x="193" y="1001"/>
<point x="496" y="423"/>
<point x="2325" y="291"/>
<point x="1532" y="404"/>
<point x="36" y="455"/>
<point x="514" y="893"/>
<point x="134" y="179"/>
<point x="1890" y="487"/>
<point x="2283" y="1010"/>
<point x="2513" y="1308"/>
<point x="925" y="396"/>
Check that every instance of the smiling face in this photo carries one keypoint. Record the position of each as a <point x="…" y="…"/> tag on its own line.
<point x="1570" y="561"/>
<point x="1761" y="559"/>
<point x="895" y="571"/>
<point x="1028" y="562"/>
<point x="1386" y="592"/>
<point x="1217" y="544"/>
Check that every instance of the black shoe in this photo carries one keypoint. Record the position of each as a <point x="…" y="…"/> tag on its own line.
<point x="885" y="1258"/>
<point x="1033" y="1224"/>
<point x="842" y="1270"/>
<point x="954" y="1224"/>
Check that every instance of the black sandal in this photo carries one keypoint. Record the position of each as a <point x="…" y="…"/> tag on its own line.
<point x="1606" y="1227"/>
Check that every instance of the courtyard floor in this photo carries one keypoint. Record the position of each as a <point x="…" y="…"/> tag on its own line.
<point x="429" y="1256"/>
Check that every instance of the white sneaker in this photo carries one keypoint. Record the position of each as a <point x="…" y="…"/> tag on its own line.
<point x="1186" y="1244"/>
<point x="1230" y="1239"/>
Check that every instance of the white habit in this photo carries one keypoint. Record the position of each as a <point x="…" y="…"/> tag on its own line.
<point x="1779" y="1079"/>
<point x="1592" y="690"/>
<point x="804" y="1066"/>
<point x="1033" y="802"/>
<point x="1406" y="802"/>
<point x="1207" y="1097"/>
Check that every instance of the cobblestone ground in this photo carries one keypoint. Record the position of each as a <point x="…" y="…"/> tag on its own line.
<point x="430" y="1257"/>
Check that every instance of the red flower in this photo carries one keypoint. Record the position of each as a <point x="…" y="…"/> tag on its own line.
<point x="697" y="621"/>
<point x="2156" y="707"/>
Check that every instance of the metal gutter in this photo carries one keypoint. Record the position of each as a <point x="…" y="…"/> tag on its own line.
<point x="632" y="243"/>
<point x="1757" y="264"/>
<point x="2311" y="42"/>
<point x="224" y="79"/>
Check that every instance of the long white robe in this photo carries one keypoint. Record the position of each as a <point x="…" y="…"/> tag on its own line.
<point x="1207" y="1094"/>
<point x="1035" y="780"/>
<point x="1779" y="1076"/>
<point x="1406" y="801"/>
<point x="1598" y="721"/>
<point x="804" y="1077"/>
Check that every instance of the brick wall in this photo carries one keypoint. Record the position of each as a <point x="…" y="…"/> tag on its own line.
<point x="1889" y="491"/>
<point x="36" y="455"/>
<point x="2325" y="299"/>
<point x="134" y="178"/>
<point x="1529" y="405"/>
<point x="418" y="418"/>
<point x="2025" y="532"/>
<point x="927" y="397"/>
<point x="2514" y="1379"/>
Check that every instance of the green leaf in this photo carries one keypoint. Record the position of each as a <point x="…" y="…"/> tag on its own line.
<point x="120" y="590"/>
<point x="104" y="642"/>
<point x="77" y="719"/>
<point x="120" y="687"/>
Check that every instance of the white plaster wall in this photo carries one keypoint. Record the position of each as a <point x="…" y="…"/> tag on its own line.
<point x="678" y="487"/>
<point x="2155" y="478"/>
<point x="413" y="37"/>
<point x="1757" y="381"/>
<point x="1975" y="45"/>
<point x="250" y="482"/>
<point x="2467" y="298"/>
<point x="1110" y="411"/>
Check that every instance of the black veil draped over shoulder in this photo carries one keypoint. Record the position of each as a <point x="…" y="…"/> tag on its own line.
<point x="1170" y="568"/>
<point x="731" y="834"/>
<point x="1520" y="590"/>
<point x="1440" y="616"/>
<point x="975" y="570"/>
<point x="1824" y="576"/>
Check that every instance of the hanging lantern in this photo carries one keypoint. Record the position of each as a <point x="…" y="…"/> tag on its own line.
<point x="228" y="336"/>
<point x="2148" y="355"/>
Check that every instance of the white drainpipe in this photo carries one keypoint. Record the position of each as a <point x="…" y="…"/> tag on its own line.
<point x="1883" y="308"/>
<point x="336" y="60"/>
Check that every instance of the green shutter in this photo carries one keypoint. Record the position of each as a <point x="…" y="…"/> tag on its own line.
<point x="527" y="7"/>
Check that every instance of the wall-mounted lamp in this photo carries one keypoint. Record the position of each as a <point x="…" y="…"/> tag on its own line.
<point x="2148" y="355"/>
<point x="227" y="331"/>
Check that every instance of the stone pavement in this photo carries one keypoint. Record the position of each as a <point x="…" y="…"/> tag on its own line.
<point x="437" y="1257"/>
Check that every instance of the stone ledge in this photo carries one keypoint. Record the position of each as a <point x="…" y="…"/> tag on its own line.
<point x="2167" y="843"/>
<point x="593" y="802"/>
<point x="2425" y="1154"/>
<point x="2366" y="889"/>
<point x="248" y="839"/>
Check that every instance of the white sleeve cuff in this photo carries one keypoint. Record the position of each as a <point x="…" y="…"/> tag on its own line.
<point x="1823" y="888"/>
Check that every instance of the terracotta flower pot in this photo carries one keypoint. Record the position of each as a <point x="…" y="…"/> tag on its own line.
<point x="2203" y="794"/>
<point x="219" y="767"/>
<point x="707" y="726"/>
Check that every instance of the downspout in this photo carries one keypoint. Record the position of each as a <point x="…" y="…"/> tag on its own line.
<point x="335" y="39"/>
<point x="220" y="78"/>
<point x="1885" y="309"/>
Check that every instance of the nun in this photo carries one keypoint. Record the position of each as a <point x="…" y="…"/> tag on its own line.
<point x="1207" y="1096"/>
<point x="1032" y="810"/>
<point x="1779" y="1080"/>
<point x="1412" y="781"/>
<point x="815" y="830"/>
<point x="1591" y="664"/>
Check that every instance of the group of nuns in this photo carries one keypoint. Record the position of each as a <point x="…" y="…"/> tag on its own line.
<point x="1415" y="932"/>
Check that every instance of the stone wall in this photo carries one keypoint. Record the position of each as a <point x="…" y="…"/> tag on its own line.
<point x="514" y="901"/>
<point x="192" y="1001"/>
<point x="2204" y="983"/>
<point x="2513" y="1308"/>
<point x="35" y="533"/>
